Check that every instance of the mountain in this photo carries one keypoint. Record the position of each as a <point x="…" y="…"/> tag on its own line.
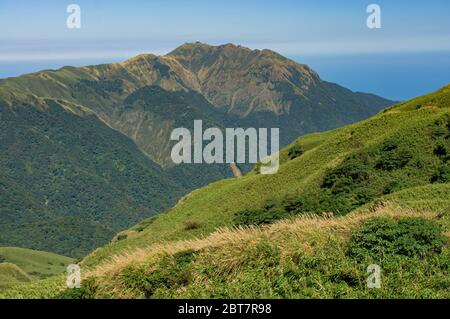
<point x="253" y="87"/>
<point x="86" y="151"/>
<point x="270" y="90"/>
<point x="374" y="192"/>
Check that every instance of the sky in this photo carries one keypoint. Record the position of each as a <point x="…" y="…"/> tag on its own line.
<point x="408" y="56"/>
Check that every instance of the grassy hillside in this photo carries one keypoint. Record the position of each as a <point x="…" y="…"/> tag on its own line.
<point x="337" y="171"/>
<point x="304" y="257"/>
<point x="375" y="192"/>
<point x="11" y="275"/>
<point x="36" y="264"/>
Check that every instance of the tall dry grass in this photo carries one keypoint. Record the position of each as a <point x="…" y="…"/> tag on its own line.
<point x="305" y="232"/>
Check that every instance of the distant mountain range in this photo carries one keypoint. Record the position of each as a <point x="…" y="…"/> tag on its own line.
<point x="85" y="151"/>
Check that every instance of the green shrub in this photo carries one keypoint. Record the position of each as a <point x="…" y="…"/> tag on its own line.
<point x="379" y="237"/>
<point x="260" y="216"/>
<point x="86" y="291"/>
<point x="442" y="127"/>
<point x="295" y="151"/>
<point x="172" y="272"/>
<point x="441" y="151"/>
<point x="442" y="175"/>
<point x="191" y="225"/>
<point x="295" y="204"/>
<point x="393" y="159"/>
<point x="276" y="209"/>
<point x="144" y="224"/>
<point x="122" y="237"/>
<point x="351" y="172"/>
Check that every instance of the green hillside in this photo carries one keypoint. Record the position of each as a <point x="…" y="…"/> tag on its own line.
<point x="23" y="266"/>
<point x="375" y="192"/>
<point x="338" y="171"/>
<point x="11" y="275"/>
<point x="36" y="264"/>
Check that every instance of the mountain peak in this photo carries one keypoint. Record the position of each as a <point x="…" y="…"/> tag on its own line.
<point x="139" y="58"/>
<point x="190" y="47"/>
<point x="238" y="79"/>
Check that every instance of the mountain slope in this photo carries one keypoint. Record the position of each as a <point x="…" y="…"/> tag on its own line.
<point x="36" y="264"/>
<point x="306" y="257"/>
<point x="338" y="171"/>
<point x="11" y="275"/>
<point x="69" y="182"/>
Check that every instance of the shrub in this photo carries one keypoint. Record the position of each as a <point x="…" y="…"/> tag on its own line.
<point x="379" y="237"/>
<point x="274" y="210"/>
<point x="259" y="216"/>
<point x="442" y="175"/>
<point x="439" y="132"/>
<point x="389" y="146"/>
<point x="143" y="225"/>
<point x="171" y="273"/>
<point x="394" y="159"/>
<point x="191" y="226"/>
<point x="345" y="177"/>
<point x="295" y="151"/>
<point x="440" y="150"/>
<point x="442" y="128"/>
<point x="294" y="204"/>
<point x="122" y="237"/>
<point x="86" y="291"/>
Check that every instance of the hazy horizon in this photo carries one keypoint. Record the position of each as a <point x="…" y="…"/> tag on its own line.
<point x="408" y="56"/>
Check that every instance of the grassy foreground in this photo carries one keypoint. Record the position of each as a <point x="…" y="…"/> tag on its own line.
<point x="306" y="257"/>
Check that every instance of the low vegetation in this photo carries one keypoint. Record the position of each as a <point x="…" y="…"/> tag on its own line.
<point x="11" y="275"/>
<point x="306" y="257"/>
<point x="26" y="265"/>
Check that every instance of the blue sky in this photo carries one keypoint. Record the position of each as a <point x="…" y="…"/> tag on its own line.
<point x="34" y="33"/>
